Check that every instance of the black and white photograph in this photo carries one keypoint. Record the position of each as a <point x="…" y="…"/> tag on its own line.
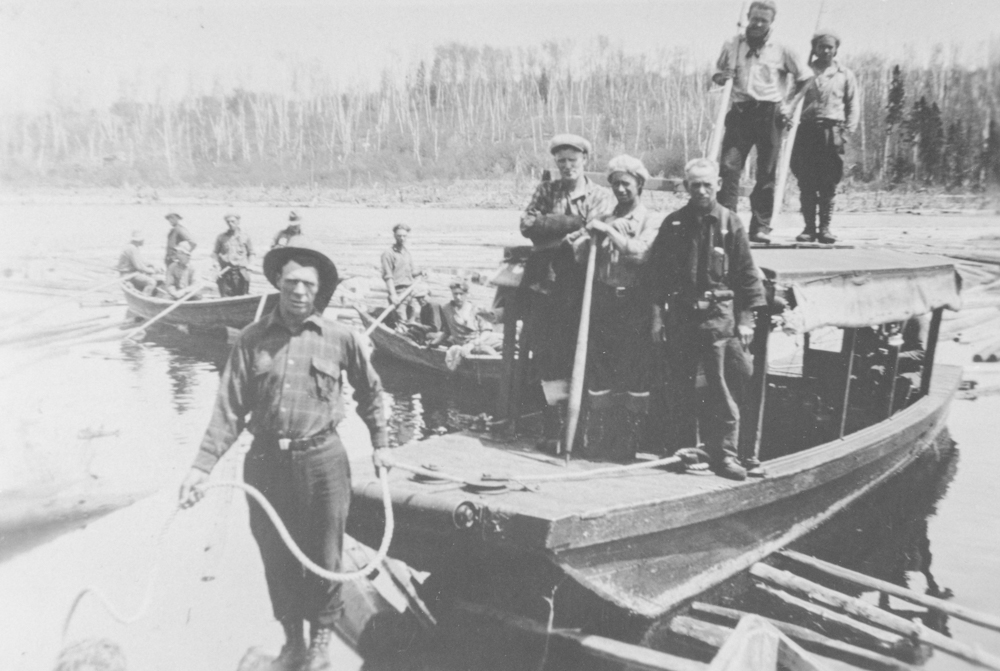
<point x="499" y="335"/>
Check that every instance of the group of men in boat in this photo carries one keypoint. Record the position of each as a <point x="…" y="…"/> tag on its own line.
<point x="177" y="278"/>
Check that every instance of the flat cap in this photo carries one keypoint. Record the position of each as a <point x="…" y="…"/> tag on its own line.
<point x="628" y="164"/>
<point x="173" y="215"/>
<point x="569" y="140"/>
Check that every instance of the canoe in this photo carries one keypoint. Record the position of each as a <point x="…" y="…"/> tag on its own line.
<point x="478" y="367"/>
<point x="616" y="549"/>
<point x="212" y="313"/>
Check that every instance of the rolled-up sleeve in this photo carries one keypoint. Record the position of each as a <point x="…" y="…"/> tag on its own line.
<point x="852" y="111"/>
<point x="232" y="404"/>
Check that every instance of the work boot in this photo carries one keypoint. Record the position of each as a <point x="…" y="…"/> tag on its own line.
<point x="628" y="434"/>
<point x="825" y="215"/>
<point x="319" y="651"/>
<point x="553" y="428"/>
<point x="761" y="236"/>
<point x="825" y="236"/>
<point x="599" y="427"/>
<point x="808" y="234"/>
<point x="293" y="652"/>
<point x="730" y="469"/>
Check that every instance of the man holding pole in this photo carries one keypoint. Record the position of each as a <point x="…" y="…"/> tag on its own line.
<point x="552" y="286"/>
<point x="704" y="286"/>
<point x="398" y="273"/>
<point x="285" y="372"/>
<point x="765" y="76"/>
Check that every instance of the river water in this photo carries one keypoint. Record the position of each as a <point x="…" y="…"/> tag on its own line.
<point x="80" y="406"/>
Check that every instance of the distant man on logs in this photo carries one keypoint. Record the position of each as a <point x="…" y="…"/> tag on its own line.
<point x="180" y="275"/>
<point x="618" y="350"/>
<point x="704" y="286"/>
<point x="233" y="251"/>
<point x="288" y="232"/>
<point x="829" y="109"/>
<point x="399" y="272"/>
<point x="146" y="276"/>
<point x="284" y="371"/>
<point x="765" y="76"/>
<point x="175" y="236"/>
<point x="552" y="286"/>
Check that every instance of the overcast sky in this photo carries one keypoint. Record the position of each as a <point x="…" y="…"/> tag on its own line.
<point x="92" y="51"/>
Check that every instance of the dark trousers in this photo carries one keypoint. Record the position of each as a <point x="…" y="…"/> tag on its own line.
<point x="552" y="322"/>
<point x="234" y="281"/>
<point x="311" y="490"/>
<point x="727" y="369"/>
<point x="751" y="124"/>
<point x="818" y="166"/>
<point x="619" y="344"/>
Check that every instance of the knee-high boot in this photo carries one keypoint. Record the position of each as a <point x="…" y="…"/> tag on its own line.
<point x="627" y="436"/>
<point x="808" y="200"/>
<point x="825" y="216"/>
<point x="599" y="426"/>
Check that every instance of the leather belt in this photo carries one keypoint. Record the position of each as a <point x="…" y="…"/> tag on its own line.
<point x="298" y="444"/>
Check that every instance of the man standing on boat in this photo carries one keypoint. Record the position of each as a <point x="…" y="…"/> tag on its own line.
<point x="552" y="285"/>
<point x="399" y="271"/>
<point x="284" y="371"/>
<point x="131" y="262"/>
<point x="233" y="251"/>
<point x="829" y="109"/>
<point x="704" y="286"/>
<point x="617" y="359"/>
<point x="765" y="76"/>
<point x="287" y="233"/>
<point x="176" y="236"/>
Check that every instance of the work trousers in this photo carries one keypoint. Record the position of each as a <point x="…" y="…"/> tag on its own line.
<point x="818" y="165"/>
<point x="619" y="345"/>
<point x="311" y="490"/>
<point x="234" y="281"/>
<point x="727" y="369"/>
<point x="751" y="124"/>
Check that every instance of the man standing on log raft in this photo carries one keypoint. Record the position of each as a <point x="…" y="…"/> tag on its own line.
<point x="760" y="69"/>
<point x="552" y="286"/>
<point x="704" y="286"/>
<point x="285" y="372"/>
<point x="829" y="109"/>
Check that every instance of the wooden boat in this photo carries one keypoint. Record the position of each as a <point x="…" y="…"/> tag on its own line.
<point x="610" y="550"/>
<point x="478" y="367"/>
<point x="211" y="313"/>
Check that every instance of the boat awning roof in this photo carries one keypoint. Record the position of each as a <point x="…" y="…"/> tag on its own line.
<point x="852" y="288"/>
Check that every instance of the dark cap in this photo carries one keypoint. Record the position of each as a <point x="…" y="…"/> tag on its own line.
<point x="173" y="215"/>
<point x="293" y="216"/>
<point x="300" y="246"/>
<point x="569" y="140"/>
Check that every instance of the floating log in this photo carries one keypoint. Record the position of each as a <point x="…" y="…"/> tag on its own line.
<point x="635" y="656"/>
<point x="758" y="644"/>
<point x="823" y="645"/>
<point x="873" y="614"/>
<point x="982" y="619"/>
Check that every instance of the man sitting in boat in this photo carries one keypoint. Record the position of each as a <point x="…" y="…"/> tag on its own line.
<point x="145" y="276"/>
<point x="233" y="251"/>
<point x="552" y="286"/>
<point x="288" y="232"/>
<point x="617" y="357"/>
<point x="462" y="328"/>
<point x="704" y="286"/>
<point x="429" y="322"/>
<point x="180" y="274"/>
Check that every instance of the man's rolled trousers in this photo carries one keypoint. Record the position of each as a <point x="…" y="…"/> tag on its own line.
<point x="701" y="269"/>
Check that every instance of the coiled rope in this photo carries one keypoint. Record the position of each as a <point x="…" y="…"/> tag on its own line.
<point x="282" y="530"/>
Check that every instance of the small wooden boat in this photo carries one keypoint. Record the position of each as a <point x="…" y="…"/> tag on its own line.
<point x="211" y="313"/>
<point x="506" y="526"/>
<point x="478" y="367"/>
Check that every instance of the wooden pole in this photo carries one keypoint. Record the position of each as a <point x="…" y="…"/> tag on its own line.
<point x="850" y="338"/>
<point x="192" y="290"/>
<point x="982" y="619"/>
<point x="260" y="307"/>
<point x="719" y="130"/>
<point x="71" y="299"/>
<point x="385" y="313"/>
<point x="929" y="352"/>
<point x="580" y="356"/>
<point x="874" y="614"/>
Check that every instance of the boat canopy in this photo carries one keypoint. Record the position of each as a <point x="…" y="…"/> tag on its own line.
<point x="853" y="288"/>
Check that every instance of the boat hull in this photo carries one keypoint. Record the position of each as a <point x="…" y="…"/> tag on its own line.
<point x="234" y="312"/>
<point x="636" y="560"/>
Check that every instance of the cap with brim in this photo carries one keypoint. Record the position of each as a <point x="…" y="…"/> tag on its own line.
<point x="420" y="290"/>
<point x="300" y="245"/>
<point x="137" y="236"/>
<point x="293" y="216"/>
<point x="629" y="165"/>
<point x="173" y="215"/>
<point x="569" y="140"/>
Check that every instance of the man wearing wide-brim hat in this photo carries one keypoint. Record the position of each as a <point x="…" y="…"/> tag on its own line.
<point x="284" y="371"/>
<point x="552" y="286"/>
<point x="293" y="229"/>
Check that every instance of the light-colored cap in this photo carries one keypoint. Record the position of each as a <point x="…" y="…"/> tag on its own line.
<point x="630" y="165"/>
<point x="137" y="236"/>
<point x="569" y="140"/>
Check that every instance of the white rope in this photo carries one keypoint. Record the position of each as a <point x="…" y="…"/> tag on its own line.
<point x="282" y="530"/>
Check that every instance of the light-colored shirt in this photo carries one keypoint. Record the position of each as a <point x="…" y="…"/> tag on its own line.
<point x="766" y="76"/>
<point x="620" y="267"/>
<point x="831" y="95"/>
<point x="131" y="261"/>
<point x="233" y="248"/>
<point x="179" y="277"/>
<point x="397" y="265"/>
<point x="459" y="323"/>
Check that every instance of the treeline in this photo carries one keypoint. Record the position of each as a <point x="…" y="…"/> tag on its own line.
<point x="485" y="112"/>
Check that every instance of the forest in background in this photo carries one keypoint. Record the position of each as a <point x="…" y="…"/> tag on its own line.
<point x="481" y="112"/>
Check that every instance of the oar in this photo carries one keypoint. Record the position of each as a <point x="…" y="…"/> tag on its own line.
<point x="192" y="290"/>
<point x="73" y="298"/>
<point x="715" y="143"/>
<point x="580" y="357"/>
<point x="385" y="313"/>
<point x="260" y="307"/>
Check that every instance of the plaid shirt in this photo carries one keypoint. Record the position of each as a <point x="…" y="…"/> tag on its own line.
<point x="290" y="384"/>
<point x="587" y="203"/>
